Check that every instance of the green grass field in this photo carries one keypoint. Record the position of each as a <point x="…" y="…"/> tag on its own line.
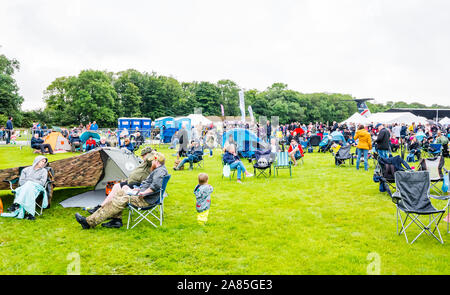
<point x="323" y="220"/>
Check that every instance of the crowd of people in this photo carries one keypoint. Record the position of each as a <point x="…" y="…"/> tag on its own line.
<point x="145" y="181"/>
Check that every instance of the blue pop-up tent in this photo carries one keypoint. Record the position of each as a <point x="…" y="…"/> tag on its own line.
<point x="247" y="142"/>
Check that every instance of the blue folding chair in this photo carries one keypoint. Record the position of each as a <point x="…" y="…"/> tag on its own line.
<point x="283" y="162"/>
<point x="144" y="212"/>
<point x="434" y="150"/>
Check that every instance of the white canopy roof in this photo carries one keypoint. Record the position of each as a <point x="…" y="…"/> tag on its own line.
<point x="356" y="118"/>
<point x="445" y="121"/>
<point x="387" y="118"/>
<point x="197" y="119"/>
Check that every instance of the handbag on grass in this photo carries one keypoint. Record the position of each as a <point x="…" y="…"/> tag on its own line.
<point x="226" y="171"/>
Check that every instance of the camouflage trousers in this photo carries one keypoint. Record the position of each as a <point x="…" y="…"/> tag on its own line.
<point x="114" y="208"/>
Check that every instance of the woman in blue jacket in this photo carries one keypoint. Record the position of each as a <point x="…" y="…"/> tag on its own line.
<point x="230" y="157"/>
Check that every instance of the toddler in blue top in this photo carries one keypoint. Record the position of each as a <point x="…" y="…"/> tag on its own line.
<point x="202" y="194"/>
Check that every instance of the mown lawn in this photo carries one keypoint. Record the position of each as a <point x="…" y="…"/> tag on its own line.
<point x="323" y="220"/>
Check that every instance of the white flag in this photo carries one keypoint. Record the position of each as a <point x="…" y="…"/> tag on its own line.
<point x="250" y="111"/>
<point x="242" y="105"/>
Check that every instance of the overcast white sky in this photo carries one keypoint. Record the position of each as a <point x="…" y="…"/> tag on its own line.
<point x="389" y="50"/>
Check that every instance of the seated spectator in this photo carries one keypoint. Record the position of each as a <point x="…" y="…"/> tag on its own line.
<point x="443" y="140"/>
<point x="138" y="139"/>
<point x="103" y="143"/>
<point x="295" y="151"/>
<point x="127" y="145"/>
<point x="75" y="141"/>
<point x="230" y="158"/>
<point x="394" y="143"/>
<point x="274" y="148"/>
<point x="174" y="141"/>
<point x="90" y="144"/>
<point x="31" y="183"/>
<point x="146" y="195"/>
<point x="194" y="154"/>
<point x="414" y="148"/>
<point x="136" y="177"/>
<point x="37" y="144"/>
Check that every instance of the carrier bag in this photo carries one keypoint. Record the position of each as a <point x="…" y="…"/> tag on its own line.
<point x="226" y="171"/>
<point x="1" y="206"/>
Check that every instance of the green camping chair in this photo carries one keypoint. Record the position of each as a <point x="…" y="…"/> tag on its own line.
<point x="283" y="162"/>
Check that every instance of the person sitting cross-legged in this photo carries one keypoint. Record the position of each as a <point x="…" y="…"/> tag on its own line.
<point x="141" y="197"/>
<point x="231" y="158"/>
<point x="194" y="155"/>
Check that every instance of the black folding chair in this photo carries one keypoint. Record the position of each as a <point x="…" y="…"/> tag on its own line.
<point x="413" y="199"/>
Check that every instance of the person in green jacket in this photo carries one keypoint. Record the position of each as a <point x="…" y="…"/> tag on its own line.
<point x="136" y="177"/>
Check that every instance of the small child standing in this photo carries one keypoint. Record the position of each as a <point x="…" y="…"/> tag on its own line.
<point x="13" y="137"/>
<point x="202" y="194"/>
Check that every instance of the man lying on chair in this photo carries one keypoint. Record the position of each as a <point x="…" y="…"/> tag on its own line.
<point x="146" y="195"/>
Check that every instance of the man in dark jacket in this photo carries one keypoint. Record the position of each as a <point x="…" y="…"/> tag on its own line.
<point x="37" y="143"/>
<point x="382" y="141"/>
<point x="9" y="129"/>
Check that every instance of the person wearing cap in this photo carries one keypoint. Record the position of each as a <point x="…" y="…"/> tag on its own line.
<point x="146" y="195"/>
<point x="136" y="177"/>
<point x="382" y="141"/>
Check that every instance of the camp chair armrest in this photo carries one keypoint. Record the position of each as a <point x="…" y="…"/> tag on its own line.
<point x="443" y="198"/>
<point x="151" y="194"/>
<point x="396" y="197"/>
<point x="12" y="181"/>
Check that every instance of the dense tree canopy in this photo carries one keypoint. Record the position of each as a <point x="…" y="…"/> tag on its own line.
<point x="10" y="100"/>
<point x="104" y="97"/>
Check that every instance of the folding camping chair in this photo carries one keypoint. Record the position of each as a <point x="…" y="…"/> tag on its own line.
<point x="143" y="212"/>
<point x="413" y="198"/>
<point x="262" y="162"/>
<point x="434" y="150"/>
<point x="314" y="141"/>
<point x="283" y="162"/>
<point x="342" y="155"/>
<point x="14" y="182"/>
<point x="201" y="162"/>
<point x="386" y="169"/>
<point x="434" y="166"/>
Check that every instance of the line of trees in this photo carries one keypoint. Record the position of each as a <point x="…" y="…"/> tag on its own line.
<point x="106" y="96"/>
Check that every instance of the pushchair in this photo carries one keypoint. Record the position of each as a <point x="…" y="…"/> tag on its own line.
<point x="325" y="144"/>
<point x="386" y="168"/>
<point x="342" y="155"/>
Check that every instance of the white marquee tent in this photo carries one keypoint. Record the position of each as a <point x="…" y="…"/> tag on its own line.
<point x="197" y="119"/>
<point x="387" y="118"/>
<point x="445" y="121"/>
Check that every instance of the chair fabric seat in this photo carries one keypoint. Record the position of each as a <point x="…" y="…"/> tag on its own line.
<point x="429" y="209"/>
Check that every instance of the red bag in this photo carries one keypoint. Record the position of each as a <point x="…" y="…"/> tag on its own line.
<point x="1" y="206"/>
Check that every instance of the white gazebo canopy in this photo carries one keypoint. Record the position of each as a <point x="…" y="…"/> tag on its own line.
<point x="391" y="118"/>
<point x="197" y="119"/>
<point x="445" y="121"/>
<point x="357" y="119"/>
